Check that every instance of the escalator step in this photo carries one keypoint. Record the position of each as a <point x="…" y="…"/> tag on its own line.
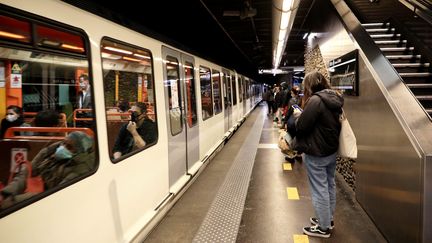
<point x="403" y="56"/>
<point x="375" y="24"/>
<point x="384" y="30"/>
<point x="385" y="36"/>
<point x="420" y="86"/>
<point x="389" y="42"/>
<point x="424" y="97"/>
<point x="410" y="65"/>
<point x="397" y="48"/>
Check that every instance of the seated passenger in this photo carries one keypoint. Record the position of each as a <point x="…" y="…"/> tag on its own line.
<point x="139" y="132"/>
<point x="47" y="118"/>
<point x="58" y="163"/>
<point x="14" y="118"/>
<point x="121" y="106"/>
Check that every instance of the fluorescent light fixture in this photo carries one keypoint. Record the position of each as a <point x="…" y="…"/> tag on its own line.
<point x="286" y="5"/>
<point x="283" y="12"/>
<point x="142" y="56"/>
<point x="117" y="50"/>
<point x="110" y="56"/>
<point x="285" y="20"/>
<point x="72" y="47"/>
<point x="11" y="35"/>
<point x="131" y="59"/>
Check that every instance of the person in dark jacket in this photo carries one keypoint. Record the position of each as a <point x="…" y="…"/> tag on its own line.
<point x="138" y="133"/>
<point x="14" y="118"/>
<point x="57" y="164"/>
<point x="317" y="136"/>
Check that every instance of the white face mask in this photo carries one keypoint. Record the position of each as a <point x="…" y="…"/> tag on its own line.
<point x="11" y="118"/>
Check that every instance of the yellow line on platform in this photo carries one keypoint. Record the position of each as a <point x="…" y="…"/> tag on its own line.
<point x="292" y="193"/>
<point x="287" y="166"/>
<point x="301" y="239"/>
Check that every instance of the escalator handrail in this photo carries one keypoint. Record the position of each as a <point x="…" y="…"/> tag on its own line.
<point x="420" y="47"/>
<point x="422" y="8"/>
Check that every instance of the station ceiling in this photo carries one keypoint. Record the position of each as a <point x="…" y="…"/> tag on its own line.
<point x="233" y="33"/>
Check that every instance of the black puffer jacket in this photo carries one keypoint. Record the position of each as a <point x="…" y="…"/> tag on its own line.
<point x="318" y="126"/>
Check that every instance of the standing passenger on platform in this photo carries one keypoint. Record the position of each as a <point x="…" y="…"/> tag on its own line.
<point x="318" y="129"/>
<point x="269" y="98"/>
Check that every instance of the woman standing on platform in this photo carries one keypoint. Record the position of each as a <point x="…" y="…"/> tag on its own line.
<point x="318" y="129"/>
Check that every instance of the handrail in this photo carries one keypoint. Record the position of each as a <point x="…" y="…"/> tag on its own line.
<point x="422" y="49"/>
<point x="75" y="118"/>
<point x="420" y="7"/>
<point x="10" y="132"/>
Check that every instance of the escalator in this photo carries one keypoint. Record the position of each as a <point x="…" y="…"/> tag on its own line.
<point x="391" y="116"/>
<point x="389" y="23"/>
<point x="414" y="70"/>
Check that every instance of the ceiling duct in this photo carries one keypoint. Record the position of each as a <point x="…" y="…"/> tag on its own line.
<point x="247" y="12"/>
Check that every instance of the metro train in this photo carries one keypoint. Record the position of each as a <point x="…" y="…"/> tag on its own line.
<point x="196" y="105"/>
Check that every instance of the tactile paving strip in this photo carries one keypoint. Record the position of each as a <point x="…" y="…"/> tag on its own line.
<point x="222" y="221"/>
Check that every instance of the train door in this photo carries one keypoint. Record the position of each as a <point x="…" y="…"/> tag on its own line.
<point x="183" y="150"/>
<point x="244" y="94"/>
<point x="226" y="82"/>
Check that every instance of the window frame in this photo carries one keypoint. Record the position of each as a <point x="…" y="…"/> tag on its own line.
<point x="117" y="41"/>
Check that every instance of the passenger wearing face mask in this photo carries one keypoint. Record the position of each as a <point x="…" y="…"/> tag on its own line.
<point x="56" y="164"/>
<point x="137" y="133"/>
<point x="14" y="118"/>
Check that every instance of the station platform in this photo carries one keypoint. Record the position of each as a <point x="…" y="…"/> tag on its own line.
<point x="249" y="193"/>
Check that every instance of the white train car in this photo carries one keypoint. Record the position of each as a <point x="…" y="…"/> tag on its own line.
<point x="193" y="105"/>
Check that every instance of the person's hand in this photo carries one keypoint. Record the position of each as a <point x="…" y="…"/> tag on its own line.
<point x="297" y="113"/>
<point x="131" y="127"/>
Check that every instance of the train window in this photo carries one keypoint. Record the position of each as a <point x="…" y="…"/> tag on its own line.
<point x="53" y="38"/>
<point x="129" y="98"/>
<point x="37" y="116"/>
<point x="174" y="97"/>
<point x="216" y="80"/>
<point x="234" y="90"/>
<point x="14" y="30"/>
<point x="192" y="119"/>
<point x="206" y="93"/>
<point x="226" y="90"/>
<point x="240" y="82"/>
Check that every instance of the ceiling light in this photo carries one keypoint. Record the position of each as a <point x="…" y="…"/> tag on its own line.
<point x="117" y="50"/>
<point x="131" y="59"/>
<point x="72" y="47"/>
<point x="11" y="35"/>
<point x="142" y="56"/>
<point x="283" y="14"/>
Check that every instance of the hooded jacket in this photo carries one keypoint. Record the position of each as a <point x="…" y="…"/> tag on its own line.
<point x="318" y="127"/>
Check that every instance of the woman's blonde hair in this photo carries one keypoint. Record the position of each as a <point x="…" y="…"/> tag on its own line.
<point x="314" y="82"/>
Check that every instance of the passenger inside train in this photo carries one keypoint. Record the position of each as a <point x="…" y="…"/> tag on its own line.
<point x="137" y="133"/>
<point x="14" y="118"/>
<point x="56" y="164"/>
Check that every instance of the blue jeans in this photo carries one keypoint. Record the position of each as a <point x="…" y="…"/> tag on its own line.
<point x="321" y="175"/>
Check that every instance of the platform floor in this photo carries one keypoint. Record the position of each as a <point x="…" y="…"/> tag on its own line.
<point x="270" y="212"/>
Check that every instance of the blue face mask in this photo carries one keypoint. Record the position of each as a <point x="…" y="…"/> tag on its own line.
<point x="62" y="153"/>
